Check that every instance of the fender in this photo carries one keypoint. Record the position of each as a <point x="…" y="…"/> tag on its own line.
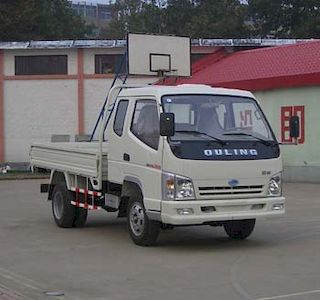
<point x="58" y="177"/>
<point x="135" y="180"/>
<point x="152" y="214"/>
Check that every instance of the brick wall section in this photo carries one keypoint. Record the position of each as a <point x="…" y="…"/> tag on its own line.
<point x="1" y="107"/>
<point x="80" y="92"/>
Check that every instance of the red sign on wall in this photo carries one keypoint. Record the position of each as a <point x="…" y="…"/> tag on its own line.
<point x="246" y="118"/>
<point x="286" y="113"/>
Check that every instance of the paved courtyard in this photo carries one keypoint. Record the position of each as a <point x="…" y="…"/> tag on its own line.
<point x="280" y="260"/>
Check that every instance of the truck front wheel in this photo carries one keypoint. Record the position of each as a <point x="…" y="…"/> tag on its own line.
<point x="239" y="229"/>
<point x="62" y="209"/>
<point x="143" y="231"/>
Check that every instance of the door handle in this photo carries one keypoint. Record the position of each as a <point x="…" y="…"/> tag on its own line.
<point x="126" y="157"/>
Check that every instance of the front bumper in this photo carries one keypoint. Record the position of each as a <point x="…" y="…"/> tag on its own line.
<point x="205" y="211"/>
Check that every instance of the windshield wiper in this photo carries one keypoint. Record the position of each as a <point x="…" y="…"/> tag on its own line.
<point x="265" y="142"/>
<point x="203" y="133"/>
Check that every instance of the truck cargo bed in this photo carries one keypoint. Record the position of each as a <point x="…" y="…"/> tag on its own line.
<point x="79" y="158"/>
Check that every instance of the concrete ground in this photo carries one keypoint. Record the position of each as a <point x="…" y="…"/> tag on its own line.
<point x="281" y="259"/>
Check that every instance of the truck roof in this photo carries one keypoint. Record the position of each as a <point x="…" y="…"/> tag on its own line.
<point x="160" y="90"/>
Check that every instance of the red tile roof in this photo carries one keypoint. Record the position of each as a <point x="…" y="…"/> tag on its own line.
<point x="260" y="69"/>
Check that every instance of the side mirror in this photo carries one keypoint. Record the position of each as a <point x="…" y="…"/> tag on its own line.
<point x="167" y="127"/>
<point x="294" y="127"/>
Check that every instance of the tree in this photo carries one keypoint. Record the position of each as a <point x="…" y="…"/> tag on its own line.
<point x="178" y="15"/>
<point x="134" y="16"/>
<point x="196" y="18"/>
<point x="39" y="20"/>
<point x="285" y="18"/>
<point x="218" y="19"/>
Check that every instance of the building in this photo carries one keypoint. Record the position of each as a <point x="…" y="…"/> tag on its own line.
<point x="55" y="88"/>
<point x="286" y="81"/>
<point x="96" y="13"/>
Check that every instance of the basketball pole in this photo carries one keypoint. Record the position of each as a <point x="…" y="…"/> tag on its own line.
<point x="123" y="77"/>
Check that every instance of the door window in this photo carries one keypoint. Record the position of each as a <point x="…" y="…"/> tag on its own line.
<point x="120" y="117"/>
<point x="145" y="123"/>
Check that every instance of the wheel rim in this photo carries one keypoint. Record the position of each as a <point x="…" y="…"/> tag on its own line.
<point x="137" y="219"/>
<point x="58" y="205"/>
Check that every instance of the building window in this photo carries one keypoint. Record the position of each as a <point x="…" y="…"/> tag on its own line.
<point x="145" y="123"/>
<point x="80" y="9"/>
<point x="91" y="11"/>
<point x="104" y="15"/>
<point x="41" y="65"/>
<point x="109" y="63"/>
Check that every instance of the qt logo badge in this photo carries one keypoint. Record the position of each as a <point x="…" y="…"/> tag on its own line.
<point x="233" y="182"/>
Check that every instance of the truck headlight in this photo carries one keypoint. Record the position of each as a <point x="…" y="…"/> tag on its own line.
<point x="176" y="187"/>
<point x="275" y="186"/>
<point x="184" y="188"/>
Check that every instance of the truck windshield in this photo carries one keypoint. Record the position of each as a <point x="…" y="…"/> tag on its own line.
<point x="220" y="117"/>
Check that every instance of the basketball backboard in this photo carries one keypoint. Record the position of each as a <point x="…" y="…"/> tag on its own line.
<point x="158" y="55"/>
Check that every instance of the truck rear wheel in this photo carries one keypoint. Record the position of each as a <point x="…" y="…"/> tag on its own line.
<point x="239" y="229"/>
<point x="80" y="217"/>
<point x="143" y="231"/>
<point x="62" y="209"/>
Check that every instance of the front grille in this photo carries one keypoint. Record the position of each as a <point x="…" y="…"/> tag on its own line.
<point x="229" y="190"/>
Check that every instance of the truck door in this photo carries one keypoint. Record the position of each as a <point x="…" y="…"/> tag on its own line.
<point x="143" y="150"/>
<point x="116" y="138"/>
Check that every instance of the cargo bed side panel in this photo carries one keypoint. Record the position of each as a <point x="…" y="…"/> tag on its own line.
<point x="68" y="158"/>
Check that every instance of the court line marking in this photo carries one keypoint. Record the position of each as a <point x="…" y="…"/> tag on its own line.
<point x="291" y="295"/>
<point x="19" y="281"/>
<point x="26" y="282"/>
<point x="6" y="291"/>
<point x="234" y="279"/>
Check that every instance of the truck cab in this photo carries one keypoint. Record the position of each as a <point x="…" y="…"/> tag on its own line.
<point x="220" y="166"/>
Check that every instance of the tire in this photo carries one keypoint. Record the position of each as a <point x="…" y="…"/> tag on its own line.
<point x="80" y="217"/>
<point x="143" y="231"/>
<point x="62" y="209"/>
<point x="239" y="229"/>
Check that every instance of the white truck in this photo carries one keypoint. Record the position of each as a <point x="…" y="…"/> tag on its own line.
<point x="170" y="156"/>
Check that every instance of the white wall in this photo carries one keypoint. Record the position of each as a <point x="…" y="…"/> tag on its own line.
<point x="33" y="110"/>
<point x="37" y="107"/>
<point x="301" y="162"/>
